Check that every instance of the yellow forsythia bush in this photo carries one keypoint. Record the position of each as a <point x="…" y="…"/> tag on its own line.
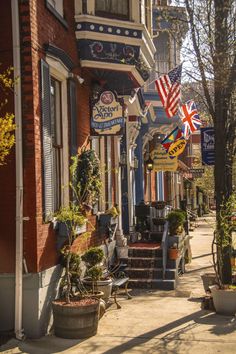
<point x="7" y="126"/>
<point x="7" y="138"/>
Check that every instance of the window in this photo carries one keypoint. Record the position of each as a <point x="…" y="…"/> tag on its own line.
<point x="55" y="144"/>
<point x="56" y="129"/>
<point x="146" y="12"/>
<point x="84" y="6"/>
<point x="112" y="8"/>
<point x="57" y="5"/>
<point x="56" y="8"/>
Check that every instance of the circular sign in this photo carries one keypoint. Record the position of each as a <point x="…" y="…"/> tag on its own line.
<point x="107" y="97"/>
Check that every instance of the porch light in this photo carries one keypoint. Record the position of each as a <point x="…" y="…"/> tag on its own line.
<point x="149" y="164"/>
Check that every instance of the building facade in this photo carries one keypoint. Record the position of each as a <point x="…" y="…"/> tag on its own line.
<point x="67" y="56"/>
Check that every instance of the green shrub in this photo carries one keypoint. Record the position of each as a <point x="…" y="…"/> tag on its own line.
<point x="176" y="219"/>
<point x="93" y="256"/>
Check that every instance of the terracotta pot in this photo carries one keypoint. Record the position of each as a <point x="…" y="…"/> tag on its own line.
<point x="76" y="320"/>
<point x="173" y="253"/>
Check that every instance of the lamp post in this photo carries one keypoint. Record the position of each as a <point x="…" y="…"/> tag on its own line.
<point x="149" y="165"/>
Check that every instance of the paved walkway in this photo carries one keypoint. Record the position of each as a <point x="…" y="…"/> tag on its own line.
<point x="155" y="321"/>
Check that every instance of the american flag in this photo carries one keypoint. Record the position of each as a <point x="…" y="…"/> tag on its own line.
<point x="168" y="87"/>
<point x="190" y="118"/>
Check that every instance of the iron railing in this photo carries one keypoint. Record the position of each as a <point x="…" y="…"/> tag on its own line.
<point x="164" y="247"/>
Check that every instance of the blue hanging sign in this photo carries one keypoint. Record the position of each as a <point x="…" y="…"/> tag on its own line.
<point x="208" y="146"/>
<point x="107" y="114"/>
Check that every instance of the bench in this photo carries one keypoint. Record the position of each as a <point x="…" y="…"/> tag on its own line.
<point x="116" y="284"/>
<point x="119" y="279"/>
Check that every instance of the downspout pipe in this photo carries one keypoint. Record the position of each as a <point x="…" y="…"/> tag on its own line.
<point x="19" y="333"/>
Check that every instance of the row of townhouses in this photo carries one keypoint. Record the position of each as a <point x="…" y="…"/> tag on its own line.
<point x="70" y="57"/>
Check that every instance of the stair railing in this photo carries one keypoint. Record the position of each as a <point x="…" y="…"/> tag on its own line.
<point x="164" y="246"/>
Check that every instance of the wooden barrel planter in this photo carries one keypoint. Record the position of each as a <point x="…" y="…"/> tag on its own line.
<point x="76" y="320"/>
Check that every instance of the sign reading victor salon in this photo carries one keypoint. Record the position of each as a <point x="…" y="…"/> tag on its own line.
<point x="107" y="114"/>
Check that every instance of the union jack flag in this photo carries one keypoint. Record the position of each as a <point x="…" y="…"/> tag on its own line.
<point x="190" y="118"/>
<point x="168" y="87"/>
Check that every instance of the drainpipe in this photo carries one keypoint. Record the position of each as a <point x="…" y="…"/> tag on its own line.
<point x="19" y="172"/>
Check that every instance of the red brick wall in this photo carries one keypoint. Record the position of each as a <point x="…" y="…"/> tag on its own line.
<point x="7" y="171"/>
<point x="196" y="138"/>
<point x="153" y="186"/>
<point x="45" y="28"/>
<point x="37" y="27"/>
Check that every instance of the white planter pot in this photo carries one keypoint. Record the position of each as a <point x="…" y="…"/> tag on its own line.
<point x="224" y="301"/>
<point x="102" y="285"/>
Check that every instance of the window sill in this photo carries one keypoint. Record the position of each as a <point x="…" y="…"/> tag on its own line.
<point x="56" y="14"/>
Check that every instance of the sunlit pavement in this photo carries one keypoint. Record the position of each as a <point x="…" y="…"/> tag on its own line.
<point x="155" y="321"/>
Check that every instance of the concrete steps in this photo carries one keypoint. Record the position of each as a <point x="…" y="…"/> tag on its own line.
<point x="152" y="284"/>
<point x="145" y="267"/>
<point x="150" y="273"/>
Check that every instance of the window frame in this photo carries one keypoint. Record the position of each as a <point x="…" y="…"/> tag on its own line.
<point x="108" y="14"/>
<point x="60" y="145"/>
<point x="57" y="148"/>
<point x="60" y="73"/>
<point x="59" y="17"/>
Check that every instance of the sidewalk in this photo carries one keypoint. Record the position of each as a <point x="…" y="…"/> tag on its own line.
<point x="155" y="321"/>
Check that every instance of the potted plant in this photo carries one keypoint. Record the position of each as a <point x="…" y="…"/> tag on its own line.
<point x="74" y="316"/>
<point x="69" y="220"/>
<point x="94" y="277"/>
<point x="173" y="252"/>
<point x="86" y="179"/>
<point x="75" y="312"/>
<point x="224" y="295"/>
<point x="176" y="219"/>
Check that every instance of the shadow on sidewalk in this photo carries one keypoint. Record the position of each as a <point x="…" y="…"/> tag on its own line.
<point x="221" y="325"/>
<point x="202" y="255"/>
<point x="197" y="269"/>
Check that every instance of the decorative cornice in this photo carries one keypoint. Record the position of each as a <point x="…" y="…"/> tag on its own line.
<point x="60" y="54"/>
<point x="115" y="67"/>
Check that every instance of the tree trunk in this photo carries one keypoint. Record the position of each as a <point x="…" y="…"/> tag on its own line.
<point x="221" y="70"/>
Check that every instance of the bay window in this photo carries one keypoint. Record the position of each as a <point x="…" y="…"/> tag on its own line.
<point x="112" y="8"/>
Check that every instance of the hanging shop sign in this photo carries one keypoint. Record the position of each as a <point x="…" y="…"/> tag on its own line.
<point x="107" y="114"/>
<point x="174" y="143"/>
<point x="197" y="170"/>
<point x="162" y="160"/>
<point x="177" y="147"/>
<point x="208" y="146"/>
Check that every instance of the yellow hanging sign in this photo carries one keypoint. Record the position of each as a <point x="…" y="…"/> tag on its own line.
<point x="162" y="161"/>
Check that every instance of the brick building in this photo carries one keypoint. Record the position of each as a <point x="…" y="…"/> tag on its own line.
<point x="64" y="53"/>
